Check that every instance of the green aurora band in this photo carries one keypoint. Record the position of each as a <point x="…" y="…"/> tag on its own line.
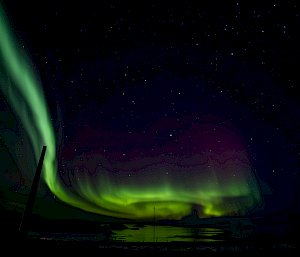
<point x="22" y="89"/>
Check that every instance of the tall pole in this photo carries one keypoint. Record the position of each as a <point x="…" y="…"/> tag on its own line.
<point x="154" y="218"/>
<point x="32" y="194"/>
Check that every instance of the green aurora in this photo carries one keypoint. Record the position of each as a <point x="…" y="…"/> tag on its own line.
<point x="171" y="199"/>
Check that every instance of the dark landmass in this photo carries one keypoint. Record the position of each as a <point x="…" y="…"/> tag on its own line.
<point x="273" y="234"/>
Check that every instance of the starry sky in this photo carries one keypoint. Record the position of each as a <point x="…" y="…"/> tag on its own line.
<point x="173" y="105"/>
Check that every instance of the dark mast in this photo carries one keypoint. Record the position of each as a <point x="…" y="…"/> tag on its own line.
<point x="31" y="198"/>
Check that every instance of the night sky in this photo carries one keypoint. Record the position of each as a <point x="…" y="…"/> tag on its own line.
<point x="169" y="105"/>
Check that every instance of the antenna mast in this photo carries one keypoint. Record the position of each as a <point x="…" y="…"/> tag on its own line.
<point x="31" y="198"/>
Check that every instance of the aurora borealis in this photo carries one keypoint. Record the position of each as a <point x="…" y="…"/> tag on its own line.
<point x="203" y="173"/>
<point x="169" y="139"/>
<point x="22" y="88"/>
<point x="208" y="174"/>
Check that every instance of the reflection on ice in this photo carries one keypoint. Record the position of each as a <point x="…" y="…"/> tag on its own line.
<point x="151" y="233"/>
